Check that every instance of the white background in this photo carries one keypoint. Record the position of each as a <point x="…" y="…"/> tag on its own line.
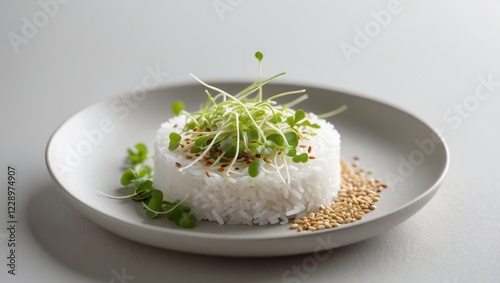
<point x="428" y="58"/>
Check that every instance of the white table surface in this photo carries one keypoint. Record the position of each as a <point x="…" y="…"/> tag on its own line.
<point x="428" y="58"/>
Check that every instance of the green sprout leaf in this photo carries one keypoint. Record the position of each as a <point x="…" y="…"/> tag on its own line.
<point x="177" y="108"/>
<point x="155" y="204"/>
<point x="304" y="157"/>
<point x="276" y="119"/>
<point x="299" y="115"/>
<point x="127" y="177"/>
<point x="143" y="172"/>
<point x="254" y="168"/>
<point x="144" y="190"/>
<point x="226" y="144"/>
<point x="291" y="152"/>
<point x="175" y="210"/>
<point x="175" y="140"/>
<point x="231" y="152"/>
<point x="174" y="214"/>
<point x="195" y="149"/>
<point x="137" y="154"/>
<point x="138" y="181"/>
<point x="259" y="56"/>
<point x="306" y="123"/>
<point x="252" y="133"/>
<point x="277" y="139"/>
<point x="186" y="220"/>
<point x="175" y="137"/>
<point x="292" y="139"/>
<point x="201" y="141"/>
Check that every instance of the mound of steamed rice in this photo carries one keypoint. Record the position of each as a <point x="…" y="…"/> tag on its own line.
<point x="241" y="199"/>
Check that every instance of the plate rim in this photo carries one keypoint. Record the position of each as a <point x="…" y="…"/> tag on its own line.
<point x="245" y="237"/>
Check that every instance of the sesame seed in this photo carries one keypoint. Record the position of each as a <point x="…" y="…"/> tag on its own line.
<point x="355" y="199"/>
<point x="178" y="165"/>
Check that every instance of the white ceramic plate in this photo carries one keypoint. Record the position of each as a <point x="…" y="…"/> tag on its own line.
<point x="86" y="154"/>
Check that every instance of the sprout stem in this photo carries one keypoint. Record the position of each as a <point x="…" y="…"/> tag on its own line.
<point x="237" y="143"/>
<point x="116" y="197"/>
<point x="333" y="113"/>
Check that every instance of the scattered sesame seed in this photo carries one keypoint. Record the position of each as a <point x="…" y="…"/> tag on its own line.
<point x="355" y="199"/>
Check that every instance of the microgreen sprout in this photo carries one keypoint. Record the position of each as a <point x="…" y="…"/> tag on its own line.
<point x="137" y="154"/>
<point x="246" y="128"/>
<point x="140" y="177"/>
<point x="177" y="108"/>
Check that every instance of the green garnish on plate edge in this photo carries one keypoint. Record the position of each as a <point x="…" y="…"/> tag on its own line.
<point x="140" y="176"/>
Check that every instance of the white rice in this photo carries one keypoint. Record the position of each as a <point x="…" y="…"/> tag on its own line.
<point x="241" y="199"/>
